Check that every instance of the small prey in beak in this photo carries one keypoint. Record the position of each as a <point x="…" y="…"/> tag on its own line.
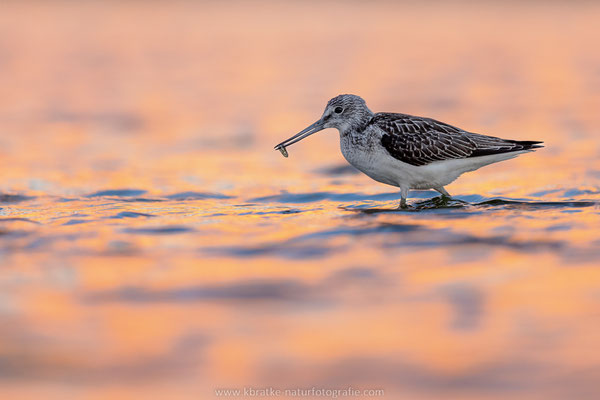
<point x="314" y="128"/>
<point x="283" y="151"/>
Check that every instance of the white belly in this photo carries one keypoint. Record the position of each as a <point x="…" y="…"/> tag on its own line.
<point x="376" y="163"/>
<point x="373" y="163"/>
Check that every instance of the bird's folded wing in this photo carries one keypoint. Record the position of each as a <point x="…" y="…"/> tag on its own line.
<point x="420" y="141"/>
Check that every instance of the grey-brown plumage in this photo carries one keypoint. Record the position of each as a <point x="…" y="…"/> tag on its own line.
<point x="420" y="141"/>
<point x="407" y="151"/>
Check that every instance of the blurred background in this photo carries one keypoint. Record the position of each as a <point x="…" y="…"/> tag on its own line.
<point x="152" y="243"/>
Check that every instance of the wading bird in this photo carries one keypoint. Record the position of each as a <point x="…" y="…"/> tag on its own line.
<point x="406" y="151"/>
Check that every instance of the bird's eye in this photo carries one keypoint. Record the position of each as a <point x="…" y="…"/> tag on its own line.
<point x="338" y="110"/>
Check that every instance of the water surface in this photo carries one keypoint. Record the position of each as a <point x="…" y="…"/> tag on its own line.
<point x="153" y="245"/>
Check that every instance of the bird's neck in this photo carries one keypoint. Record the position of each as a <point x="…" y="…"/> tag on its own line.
<point x="356" y="124"/>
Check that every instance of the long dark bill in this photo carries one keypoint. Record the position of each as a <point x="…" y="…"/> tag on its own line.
<point x="314" y="128"/>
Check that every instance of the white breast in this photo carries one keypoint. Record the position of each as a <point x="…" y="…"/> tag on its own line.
<point x="370" y="160"/>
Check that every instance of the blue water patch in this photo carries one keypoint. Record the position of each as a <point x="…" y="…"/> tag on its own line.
<point x="159" y="230"/>
<point x="14" y="198"/>
<point x="140" y="200"/>
<point x="384" y="228"/>
<point x="471" y="198"/>
<point x="286" y="197"/>
<point x="18" y="220"/>
<point x="118" y="193"/>
<point x="535" y="205"/>
<point x="281" y="212"/>
<point x="197" y="196"/>
<point x="579" y="192"/>
<point x="448" y="238"/>
<point x="131" y="214"/>
<point x="76" y="221"/>
<point x="543" y="193"/>
<point x="308" y="246"/>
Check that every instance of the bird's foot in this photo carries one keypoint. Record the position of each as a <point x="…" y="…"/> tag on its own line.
<point x="443" y="192"/>
<point x="443" y="200"/>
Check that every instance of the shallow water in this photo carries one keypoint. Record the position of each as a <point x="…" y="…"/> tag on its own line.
<point x="153" y="245"/>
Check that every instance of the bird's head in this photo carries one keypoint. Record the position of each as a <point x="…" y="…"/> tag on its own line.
<point x="343" y="112"/>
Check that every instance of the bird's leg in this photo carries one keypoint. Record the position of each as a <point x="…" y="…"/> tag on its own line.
<point x="443" y="192"/>
<point x="403" y="196"/>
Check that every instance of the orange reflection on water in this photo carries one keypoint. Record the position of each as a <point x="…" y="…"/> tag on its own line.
<point x="154" y="245"/>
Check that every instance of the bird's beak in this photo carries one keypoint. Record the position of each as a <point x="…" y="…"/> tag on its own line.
<point x="314" y="128"/>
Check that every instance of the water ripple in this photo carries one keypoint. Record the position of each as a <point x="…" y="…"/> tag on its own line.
<point x="197" y="196"/>
<point x="286" y="197"/>
<point x="457" y="203"/>
<point x="16" y="219"/>
<point x="159" y="230"/>
<point x="131" y="214"/>
<point x="118" y="193"/>
<point x="284" y="250"/>
<point x="14" y="198"/>
<point x="386" y="235"/>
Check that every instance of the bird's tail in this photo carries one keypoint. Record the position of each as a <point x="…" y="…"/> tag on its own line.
<point x="527" y="144"/>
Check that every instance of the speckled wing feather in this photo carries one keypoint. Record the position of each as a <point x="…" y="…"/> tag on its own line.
<point x="420" y="141"/>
